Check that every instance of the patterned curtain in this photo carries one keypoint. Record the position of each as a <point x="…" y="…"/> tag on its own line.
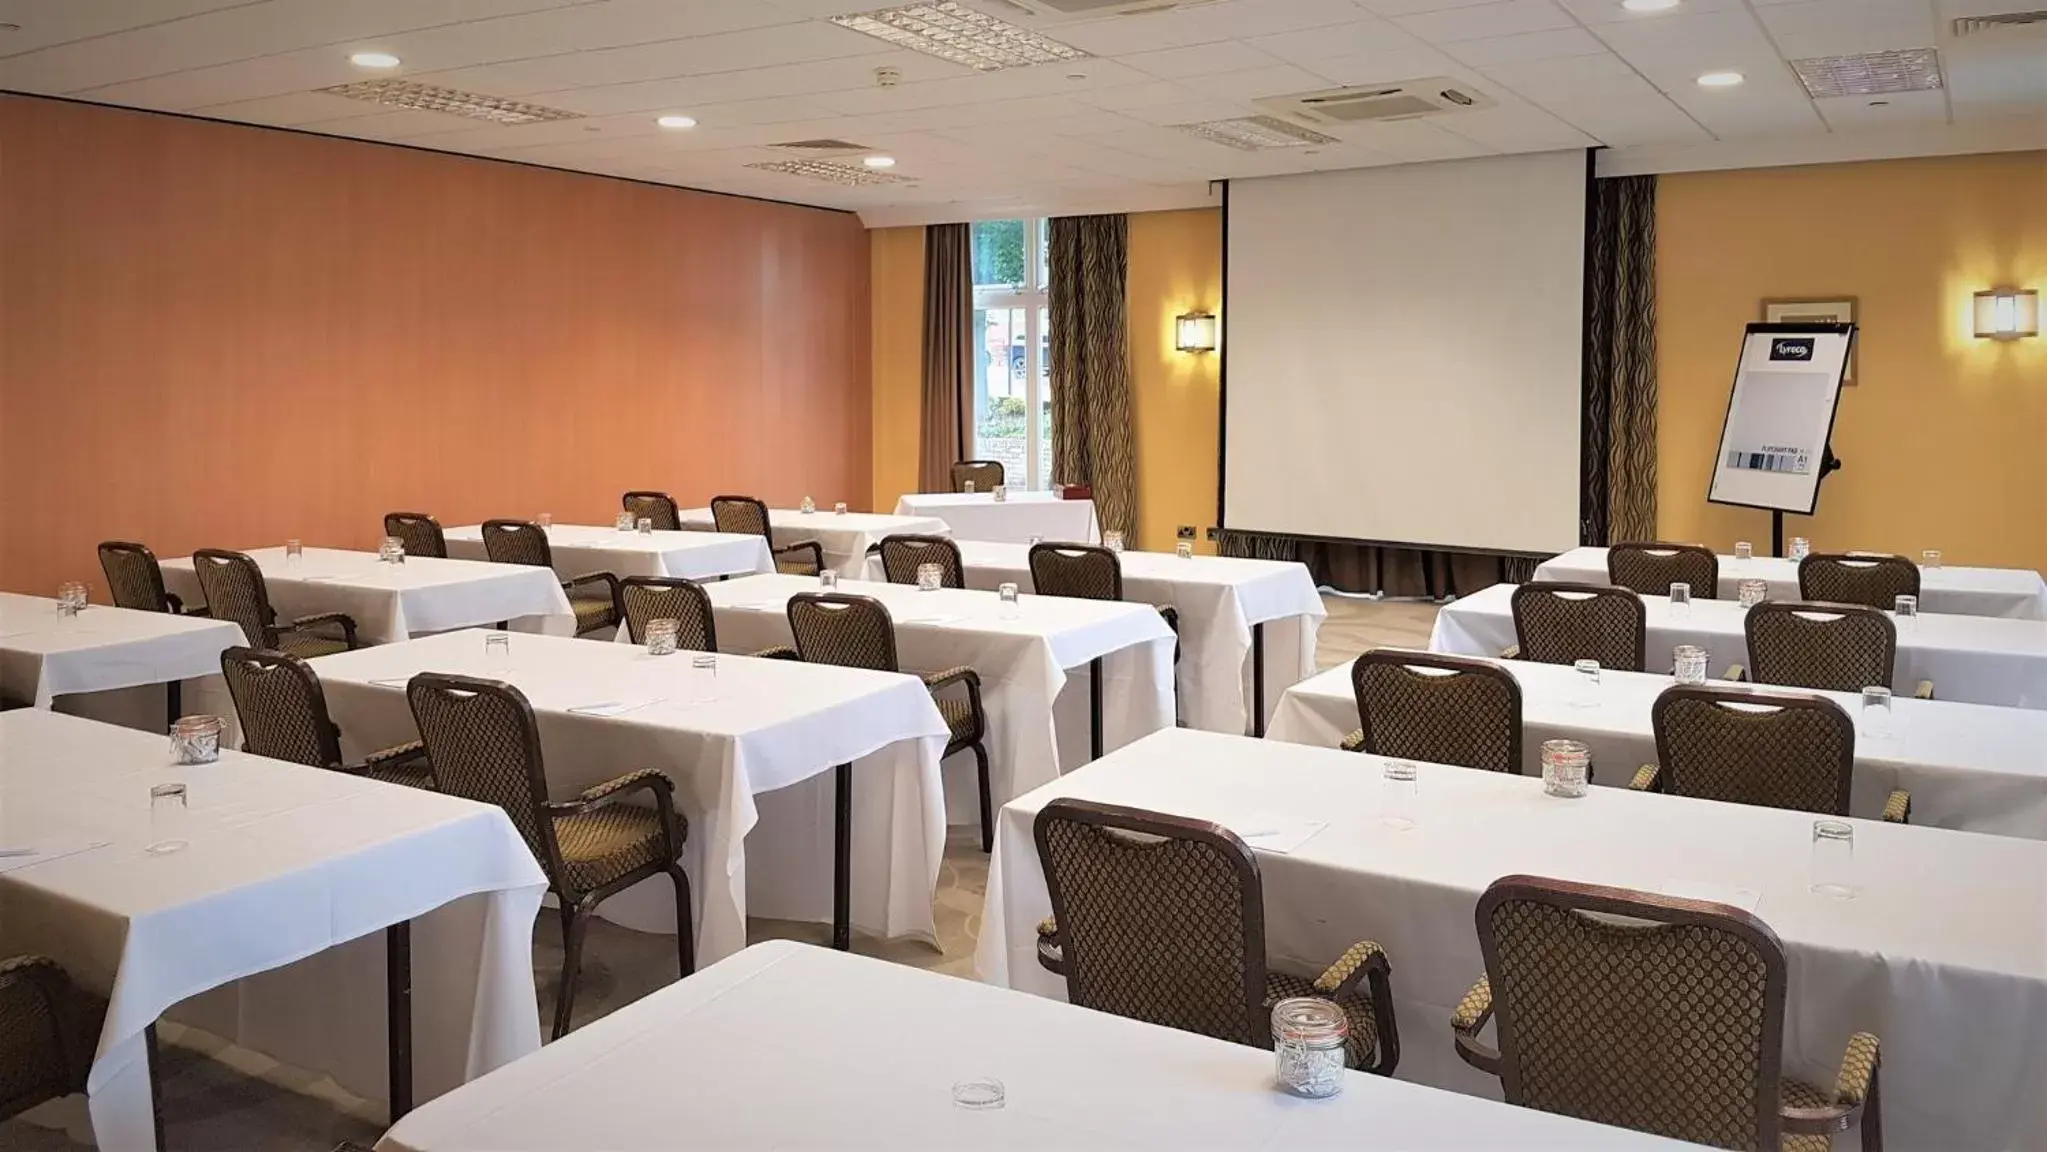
<point x="948" y="341"/>
<point x="1618" y="434"/>
<point x="1092" y="440"/>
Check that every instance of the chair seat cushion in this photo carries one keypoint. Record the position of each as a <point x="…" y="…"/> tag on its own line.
<point x="1799" y="1094"/>
<point x="308" y="645"/>
<point x="592" y="612"/>
<point x="601" y="846"/>
<point x="1363" y="1040"/>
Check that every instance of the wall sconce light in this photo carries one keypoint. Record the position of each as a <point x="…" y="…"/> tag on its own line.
<point x="2007" y="314"/>
<point x="1195" y="332"/>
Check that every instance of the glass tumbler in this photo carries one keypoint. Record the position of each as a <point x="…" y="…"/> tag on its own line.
<point x="196" y="739"/>
<point x="545" y="520"/>
<point x="1587" y="695"/>
<point x="1833" y="859"/>
<point x="644" y="525"/>
<point x="624" y="522"/>
<point x="1800" y="548"/>
<point x="1930" y="559"/>
<point x="1566" y="768"/>
<point x="1184" y="549"/>
<point x="294" y="551"/>
<point x="1001" y="492"/>
<point x="704" y="672"/>
<point x="930" y="577"/>
<point x="661" y="637"/>
<point x="828" y="578"/>
<point x="1006" y="594"/>
<point x="1743" y="550"/>
<point x="839" y="509"/>
<point x="1689" y="664"/>
<point x="808" y="506"/>
<point x="1113" y="540"/>
<point x="1399" y="795"/>
<point x="392" y="550"/>
<point x="1876" y="712"/>
<point x="984" y="1094"/>
<point x="168" y="814"/>
<point x="1681" y="598"/>
<point x="967" y="486"/>
<point x="71" y="598"/>
<point x="1750" y="593"/>
<point x="1308" y="1035"/>
<point x="1906" y="607"/>
<point x="497" y="651"/>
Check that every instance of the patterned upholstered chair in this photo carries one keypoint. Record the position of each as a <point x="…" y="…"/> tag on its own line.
<point x="985" y="475"/>
<point x="1864" y="578"/>
<point x="746" y="516"/>
<point x="1825" y="647"/>
<point x="1670" y="1022"/>
<point x="484" y="745"/>
<point x="136" y="579"/>
<point x="649" y="598"/>
<point x="1437" y="709"/>
<point x="49" y="1030"/>
<point x="1745" y="747"/>
<point x="284" y="716"/>
<point x="857" y="632"/>
<point x="1566" y="623"/>
<point x="1089" y="572"/>
<point x="418" y="532"/>
<point x="1162" y="919"/>
<point x="1652" y="568"/>
<point x="235" y="591"/>
<point x="902" y="555"/>
<point x="656" y="506"/>
<point x="593" y="596"/>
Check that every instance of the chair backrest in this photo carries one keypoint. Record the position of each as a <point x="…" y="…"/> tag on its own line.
<point x="1671" y="1023"/>
<point x="1161" y="918"/>
<point x="1083" y="571"/>
<point x="281" y="706"/>
<point x="233" y="583"/>
<point x="985" y="474"/>
<point x="1566" y="623"/>
<point x="1857" y="578"/>
<point x="850" y="631"/>
<point x="484" y="745"/>
<point x="742" y="515"/>
<point x="656" y="506"/>
<point x="1828" y="647"/>
<point x="48" y="1029"/>
<point x="134" y="576"/>
<point x="419" y="532"/>
<point x="647" y="598"/>
<point x="1652" y="568"/>
<point x="902" y="555"/>
<point x="1744" y="747"/>
<point x="1439" y="709"/>
<point x="517" y="542"/>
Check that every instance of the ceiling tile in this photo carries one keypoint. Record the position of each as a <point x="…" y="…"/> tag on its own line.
<point x="1409" y="7"/>
<point x="1507" y="18"/>
<point x="1561" y="42"/>
<point x="1861" y="112"/>
<point x="1611" y="12"/>
<point x="1244" y="19"/>
<point x="1199" y="60"/>
<point x="1123" y="35"/>
<point x="1259" y="83"/>
<point x="1359" y="37"/>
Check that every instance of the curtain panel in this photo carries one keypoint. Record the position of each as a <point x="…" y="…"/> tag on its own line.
<point x="948" y="351"/>
<point x="1618" y="433"/>
<point x="1093" y="441"/>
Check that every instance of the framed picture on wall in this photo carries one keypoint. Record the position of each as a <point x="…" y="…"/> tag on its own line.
<point x="1819" y="310"/>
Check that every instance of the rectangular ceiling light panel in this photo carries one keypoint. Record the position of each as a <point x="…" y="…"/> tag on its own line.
<point x="427" y="98"/>
<point x="1871" y="73"/>
<point x="830" y="173"/>
<point x="962" y="35"/>
<point x="1256" y="133"/>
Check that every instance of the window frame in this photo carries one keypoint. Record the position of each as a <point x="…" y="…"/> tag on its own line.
<point x="1029" y="296"/>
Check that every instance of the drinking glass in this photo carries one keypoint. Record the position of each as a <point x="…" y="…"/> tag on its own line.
<point x="1876" y="712"/>
<point x="1750" y="593"/>
<point x="1833" y="859"/>
<point x="1113" y="540"/>
<point x="497" y="651"/>
<point x="1308" y="1035"/>
<point x="1587" y="695"/>
<point x="294" y="551"/>
<point x="1001" y="493"/>
<point x="168" y="814"/>
<point x="1006" y="594"/>
<point x="967" y="486"/>
<point x="839" y="509"/>
<point x="1905" y="607"/>
<point x="980" y="1095"/>
<point x="1566" y="768"/>
<point x="661" y="637"/>
<point x="929" y="577"/>
<point x="704" y="673"/>
<point x="1800" y="548"/>
<point x="196" y="739"/>
<point x="644" y="525"/>
<point x="545" y="520"/>
<point x="71" y="598"/>
<point x="808" y="506"/>
<point x="828" y="578"/>
<point x="1743" y="550"/>
<point x="1036" y="540"/>
<point x="1930" y="559"/>
<point x="624" y="523"/>
<point x="392" y="550"/>
<point x="1184" y="550"/>
<point x="1681" y="598"/>
<point x="1689" y="664"/>
<point x="1399" y="795"/>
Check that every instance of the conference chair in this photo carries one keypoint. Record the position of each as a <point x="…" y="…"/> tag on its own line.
<point x="902" y="555"/>
<point x="1090" y="572"/>
<point x="233" y="583"/>
<point x="1745" y="747"/>
<point x="1162" y="919"/>
<point x="49" y="1030"/>
<point x="985" y="475"/>
<point x="283" y="711"/>
<point x="1824" y="647"/>
<point x="418" y="532"/>
<point x="648" y="598"/>
<point x="1857" y="578"/>
<point x="1566" y="623"/>
<point x="658" y="507"/>
<point x="593" y="597"/>
<point x="136" y="579"/>
<point x="1436" y="709"/>
<point x="746" y="516"/>
<point x="484" y="745"/>
<point x="1652" y="568"/>
<point x="1653" y="1013"/>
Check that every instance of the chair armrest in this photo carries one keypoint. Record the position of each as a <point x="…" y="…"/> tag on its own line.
<point x="611" y="791"/>
<point x="1051" y="953"/>
<point x="176" y="605"/>
<point x="1736" y="673"/>
<point x="1468" y="1020"/>
<point x="1645" y="778"/>
<point x="1366" y="961"/>
<point x="610" y="582"/>
<point x="1355" y="964"/>
<point x="815" y="550"/>
<point x="1355" y="742"/>
<point x="1856" y="1087"/>
<point x="1511" y="652"/>
<point x="1170" y="615"/>
<point x="1924" y="691"/>
<point x="951" y="676"/>
<point x="778" y="652"/>
<point x="395" y="756"/>
<point x="308" y="623"/>
<point x="1898" y="808"/>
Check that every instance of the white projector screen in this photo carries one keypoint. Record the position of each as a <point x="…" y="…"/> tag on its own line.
<point x="1403" y="351"/>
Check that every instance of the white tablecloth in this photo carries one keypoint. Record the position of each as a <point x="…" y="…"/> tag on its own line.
<point x="1219" y="599"/>
<point x="1024" y="514"/>
<point x="580" y="550"/>
<point x="766" y="726"/>
<point x="391" y="602"/>
<point x="44" y="654"/>
<point x="2013" y="593"/>
<point x="1034" y="668"/>
<point x="711" y="1063"/>
<point x="1973" y="659"/>
<point x="284" y="863"/>
<point x="1968" y="766"/>
<point x="845" y="539"/>
<point x="1943" y="955"/>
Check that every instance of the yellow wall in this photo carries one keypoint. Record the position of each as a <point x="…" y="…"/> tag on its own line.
<point x="1944" y="437"/>
<point x="1175" y="267"/>
<point x="896" y="291"/>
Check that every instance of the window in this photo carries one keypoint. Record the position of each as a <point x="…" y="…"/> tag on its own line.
<point x="1012" y="379"/>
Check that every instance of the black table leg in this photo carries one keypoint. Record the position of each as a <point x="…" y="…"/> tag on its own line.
<point x="154" y="1056"/>
<point x="174" y="702"/>
<point x="842" y="857"/>
<point x="1094" y="730"/>
<point x="398" y="1007"/>
<point x="1258" y="679"/>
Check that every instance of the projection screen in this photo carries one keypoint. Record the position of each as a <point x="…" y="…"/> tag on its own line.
<point x="1403" y="347"/>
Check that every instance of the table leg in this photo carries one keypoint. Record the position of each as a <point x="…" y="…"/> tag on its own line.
<point x="154" y="1056"/>
<point x="842" y="857"/>
<point x="1094" y="719"/>
<point x="174" y="702"/>
<point x="398" y="1008"/>
<point x="1258" y="679"/>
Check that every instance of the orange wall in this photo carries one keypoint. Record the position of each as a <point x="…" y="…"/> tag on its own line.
<point x="896" y="287"/>
<point x="220" y="335"/>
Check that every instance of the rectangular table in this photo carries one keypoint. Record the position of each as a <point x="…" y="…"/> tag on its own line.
<point x="45" y="654"/>
<point x="708" y="1063"/>
<point x="1968" y="766"/>
<point x="1015" y="519"/>
<point x="581" y="549"/>
<point x="844" y="538"/>
<point x="292" y="873"/>
<point x="1973" y="659"/>
<point x="1943" y="955"/>
<point x="1039" y="719"/>
<point x="2013" y="593"/>
<point x="391" y="602"/>
<point x="749" y="750"/>
<point x="1230" y="609"/>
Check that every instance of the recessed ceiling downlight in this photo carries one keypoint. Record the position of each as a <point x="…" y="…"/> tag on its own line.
<point x="1720" y="79"/>
<point x="880" y="161"/>
<point x="676" y="122"/>
<point x="374" y="60"/>
<point x="1650" y="5"/>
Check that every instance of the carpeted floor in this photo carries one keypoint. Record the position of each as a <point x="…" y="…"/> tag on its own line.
<point x="222" y="1099"/>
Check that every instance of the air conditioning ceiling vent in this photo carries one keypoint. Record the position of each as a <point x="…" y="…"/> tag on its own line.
<point x="1363" y="103"/>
